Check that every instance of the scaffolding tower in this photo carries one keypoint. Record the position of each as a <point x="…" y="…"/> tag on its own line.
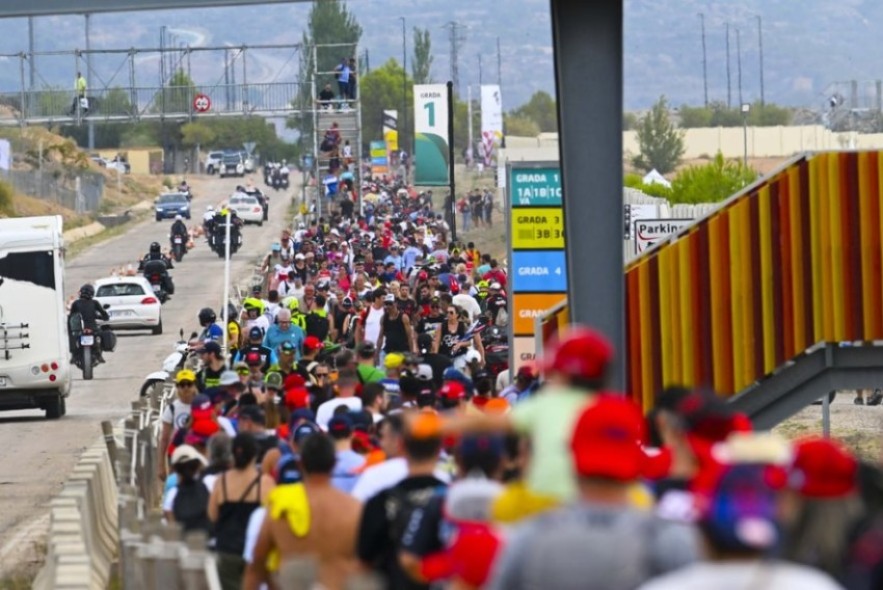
<point x="346" y="113"/>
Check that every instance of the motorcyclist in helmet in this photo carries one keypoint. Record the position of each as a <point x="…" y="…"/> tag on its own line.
<point x="156" y="253"/>
<point x="210" y="329"/>
<point x="90" y="311"/>
<point x="148" y="264"/>
<point x="179" y="228"/>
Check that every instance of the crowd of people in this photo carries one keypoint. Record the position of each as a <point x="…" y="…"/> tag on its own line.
<point x="354" y="420"/>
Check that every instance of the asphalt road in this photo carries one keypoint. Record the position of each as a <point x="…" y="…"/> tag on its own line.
<point x="38" y="454"/>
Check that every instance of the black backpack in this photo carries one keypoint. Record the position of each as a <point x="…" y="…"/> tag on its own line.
<point x="318" y="326"/>
<point x="190" y="507"/>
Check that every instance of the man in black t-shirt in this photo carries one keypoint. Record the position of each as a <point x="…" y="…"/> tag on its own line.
<point x="383" y="528"/>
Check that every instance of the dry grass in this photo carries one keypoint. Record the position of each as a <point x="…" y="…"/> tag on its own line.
<point x="22" y="576"/>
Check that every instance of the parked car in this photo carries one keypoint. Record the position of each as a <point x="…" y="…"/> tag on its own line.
<point x="119" y="164"/>
<point x="213" y="162"/>
<point x="169" y="205"/>
<point x="248" y="162"/>
<point x="231" y="165"/>
<point x="130" y="302"/>
<point x="248" y="208"/>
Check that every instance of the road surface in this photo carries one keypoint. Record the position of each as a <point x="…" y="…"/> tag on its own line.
<point x="38" y="454"/>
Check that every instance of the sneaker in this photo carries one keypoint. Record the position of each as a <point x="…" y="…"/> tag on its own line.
<point x="859" y="401"/>
<point x="876" y="399"/>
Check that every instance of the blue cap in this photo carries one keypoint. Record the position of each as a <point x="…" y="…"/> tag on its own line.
<point x="340" y="426"/>
<point x="303" y="431"/>
<point x="288" y="470"/>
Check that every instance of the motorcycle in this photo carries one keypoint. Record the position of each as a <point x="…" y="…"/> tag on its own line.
<point x="283" y="178"/>
<point x="156" y="274"/>
<point x="218" y="243"/>
<point x="171" y="365"/>
<point x="496" y="349"/>
<point x="187" y="192"/>
<point x="179" y="247"/>
<point x="85" y="343"/>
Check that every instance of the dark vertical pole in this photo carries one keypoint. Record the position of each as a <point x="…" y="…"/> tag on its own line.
<point x="91" y="124"/>
<point x="729" y="78"/>
<point x="31" y="65"/>
<point x="449" y="203"/>
<point x="760" y="47"/>
<point x="404" y="127"/>
<point x="500" y="84"/>
<point x="739" y="63"/>
<point x="587" y="38"/>
<point x="704" y="60"/>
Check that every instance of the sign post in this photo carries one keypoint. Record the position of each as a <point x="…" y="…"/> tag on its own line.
<point x="537" y="260"/>
<point x="431" y="137"/>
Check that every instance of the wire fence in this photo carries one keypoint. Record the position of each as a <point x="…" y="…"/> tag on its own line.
<point x="81" y="193"/>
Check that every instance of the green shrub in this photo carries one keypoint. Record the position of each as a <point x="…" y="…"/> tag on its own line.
<point x="167" y="182"/>
<point x="712" y="182"/>
<point x="7" y="207"/>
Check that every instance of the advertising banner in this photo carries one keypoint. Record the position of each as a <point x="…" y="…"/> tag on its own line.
<point x="491" y="121"/>
<point x="390" y="130"/>
<point x="379" y="162"/>
<point x="431" y="139"/>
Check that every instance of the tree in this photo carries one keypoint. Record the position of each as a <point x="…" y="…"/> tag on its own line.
<point x="177" y="96"/>
<point x="541" y="110"/>
<point x="661" y="144"/>
<point x="712" y="182"/>
<point x="717" y="114"/>
<point x="520" y="126"/>
<point x="382" y="89"/>
<point x="421" y="64"/>
<point x="629" y="121"/>
<point x="116" y="102"/>
<point x="329" y="22"/>
<point x="196" y="134"/>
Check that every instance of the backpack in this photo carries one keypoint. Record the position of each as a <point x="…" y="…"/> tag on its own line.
<point x="190" y="506"/>
<point x="400" y="505"/>
<point x="318" y="326"/>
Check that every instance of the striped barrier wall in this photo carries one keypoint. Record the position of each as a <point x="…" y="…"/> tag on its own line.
<point x="792" y="261"/>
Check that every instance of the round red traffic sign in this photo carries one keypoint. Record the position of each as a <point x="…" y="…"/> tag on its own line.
<point x="201" y="103"/>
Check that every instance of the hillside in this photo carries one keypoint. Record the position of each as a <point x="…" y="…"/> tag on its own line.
<point x="805" y="50"/>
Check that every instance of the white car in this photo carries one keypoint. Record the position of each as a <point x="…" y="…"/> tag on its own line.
<point x="130" y="302"/>
<point x="248" y="208"/>
<point x="213" y="162"/>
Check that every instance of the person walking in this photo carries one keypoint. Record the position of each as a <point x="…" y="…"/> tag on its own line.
<point x="79" y="95"/>
<point x="238" y="493"/>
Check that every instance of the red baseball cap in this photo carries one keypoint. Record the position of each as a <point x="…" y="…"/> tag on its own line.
<point x="297" y="397"/>
<point x="580" y="353"/>
<point x="312" y="343"/>
<point x="607" y="440"/>
<point x="293" y="380"/>
<point x="822" y="468"/>
<point x="452" y="391"/>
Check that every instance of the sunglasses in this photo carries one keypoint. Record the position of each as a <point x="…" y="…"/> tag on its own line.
<point x="321" y="374"/>
<point x="186" y="383"/>
<point x="243" y="372"/>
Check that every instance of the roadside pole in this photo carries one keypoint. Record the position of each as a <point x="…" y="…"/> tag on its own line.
<point x="450" y="211"/>
<point x="225" y="307"/>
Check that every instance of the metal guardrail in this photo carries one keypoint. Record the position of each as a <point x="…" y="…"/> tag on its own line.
<point x="53" y="105"/>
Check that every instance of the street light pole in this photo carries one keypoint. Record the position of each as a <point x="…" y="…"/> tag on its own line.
<point x="401" y="132"/>
<point x="745" y="108"/>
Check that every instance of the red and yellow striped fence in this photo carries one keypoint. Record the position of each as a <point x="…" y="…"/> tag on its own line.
<point x="794" y="261"/>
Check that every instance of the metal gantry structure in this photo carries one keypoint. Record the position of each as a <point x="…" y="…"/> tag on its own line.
<point x="133" y="91"/>
<point x="346" y="113"/>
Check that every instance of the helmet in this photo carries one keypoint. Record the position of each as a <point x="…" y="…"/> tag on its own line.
<point x="155" y="248"/>
<point x="178" y="217"/>
<point x="250" y="303"/>
<point x="87" y="291"/>
<point x="580" y="353"/>
<point x="210" y="208"/>
<point x="207" y="316"/>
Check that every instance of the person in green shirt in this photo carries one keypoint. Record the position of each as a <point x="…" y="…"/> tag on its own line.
<point x="79" y="94"/>
<point x="574" y="371"/>
<point x="366" y="370"/>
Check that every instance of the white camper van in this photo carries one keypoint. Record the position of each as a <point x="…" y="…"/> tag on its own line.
<point x="34" y="350"/>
